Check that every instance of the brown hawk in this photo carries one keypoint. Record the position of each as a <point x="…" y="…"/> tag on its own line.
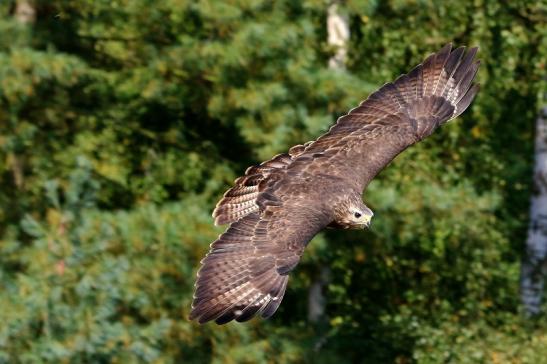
<point x="278" y="206"/>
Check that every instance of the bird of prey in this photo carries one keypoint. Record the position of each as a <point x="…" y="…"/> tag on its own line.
<point x="278" y="206"/>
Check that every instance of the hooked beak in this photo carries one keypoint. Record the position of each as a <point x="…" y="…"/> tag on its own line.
<point x="370" y="214"/>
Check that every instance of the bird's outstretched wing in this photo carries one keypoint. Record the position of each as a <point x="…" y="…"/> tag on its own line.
<point x="365" y="140"/>
<point x="246" y="270"/>
<point x="396" y="116"/>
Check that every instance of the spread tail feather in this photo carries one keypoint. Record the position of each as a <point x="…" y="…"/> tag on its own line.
<point x="241" y="200"/>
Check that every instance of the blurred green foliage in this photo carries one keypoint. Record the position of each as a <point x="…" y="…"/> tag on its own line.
<point x="122" y="122"/>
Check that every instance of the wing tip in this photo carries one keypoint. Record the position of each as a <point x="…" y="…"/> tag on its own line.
<point x="467" y="99"/>
<point x="445" y="49"/>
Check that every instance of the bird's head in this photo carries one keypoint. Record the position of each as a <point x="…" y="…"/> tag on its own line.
<point x="352" y="213"/>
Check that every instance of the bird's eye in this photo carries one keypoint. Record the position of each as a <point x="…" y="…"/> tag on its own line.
<point x="357" y="215"/>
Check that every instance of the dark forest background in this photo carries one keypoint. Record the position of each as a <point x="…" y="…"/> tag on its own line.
<point x="122" y="123"/>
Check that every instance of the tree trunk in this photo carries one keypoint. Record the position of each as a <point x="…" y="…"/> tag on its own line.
<point x="534" y="264"/>
<point x="338" y="36"/>
<point x="25" y="12"/>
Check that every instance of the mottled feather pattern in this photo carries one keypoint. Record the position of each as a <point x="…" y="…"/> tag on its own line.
<point x="240" y="200"/>
<point x="277" y="207"/>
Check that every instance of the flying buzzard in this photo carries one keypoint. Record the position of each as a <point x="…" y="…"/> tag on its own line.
<point x="278" y="206"/>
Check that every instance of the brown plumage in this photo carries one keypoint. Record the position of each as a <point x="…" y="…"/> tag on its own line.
<point x="277" y="207"/>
